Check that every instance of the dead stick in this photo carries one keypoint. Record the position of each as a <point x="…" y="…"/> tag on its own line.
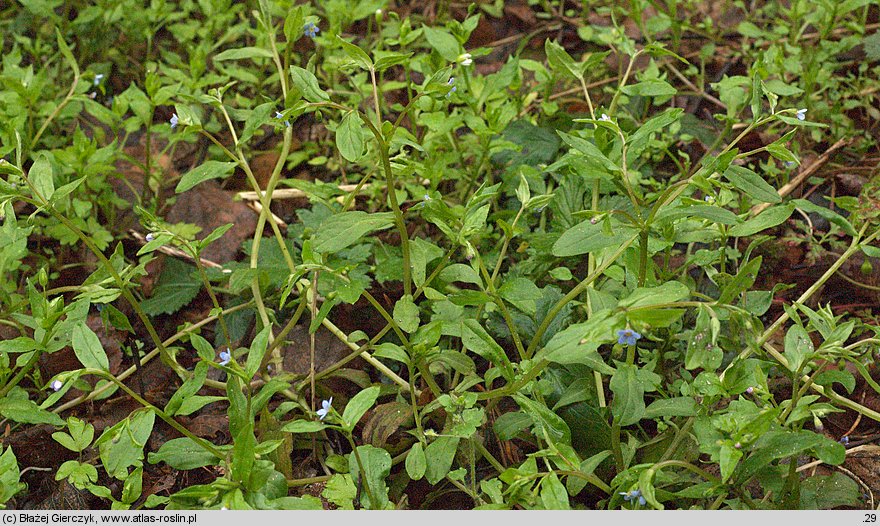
<point x="292" y="193"/>
<point x="802" y="176"/>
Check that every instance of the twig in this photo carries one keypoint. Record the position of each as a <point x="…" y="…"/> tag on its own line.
<point x="803" y="175"/>
<point x="258" y="208"/>
<point x="171" y="251"/>
<point x="291" y="193"/>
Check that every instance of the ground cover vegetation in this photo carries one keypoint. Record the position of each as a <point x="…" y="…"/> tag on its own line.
<point x="502" y="255"/>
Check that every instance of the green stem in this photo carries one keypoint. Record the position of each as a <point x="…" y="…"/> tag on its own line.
<point x="574" y="293"/>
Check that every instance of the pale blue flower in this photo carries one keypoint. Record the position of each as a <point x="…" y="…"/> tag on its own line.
<point x="325" y="408"/>
<point x="311" y="30"/>
<point x="605" y="118"/>
<point x="57" y="385"/>
<point x="450" y="82"/>
<point x="279" y="115"/>
<point x="225" y="356"/>
<point x="801" y="114"/>
<point x="149" y="237"/>
<point x="98" y="78"/>
<point x="174" y="120"/>
<point x="627" y="337"/>
<point x="634" y="495"/>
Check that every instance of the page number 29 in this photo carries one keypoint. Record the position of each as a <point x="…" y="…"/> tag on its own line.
<point x="870" y="517"/>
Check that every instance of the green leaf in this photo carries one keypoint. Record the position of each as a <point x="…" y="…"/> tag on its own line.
<point x="187" y="115"/>
<point x="475" y="339"/>
<point x="176" y="288"/>
<point x="872" y="46"/>
<point x="669" y="292"/>
<point x="752" y="184"/>
<point x="346" y="228"/>
<point x="196" y="402"/>
<point x="68" y="55"/>
<point x="122" y="445"/>
<point x="18" y="345"/>
<point x="182" y="453"/>
<point x="442" y="42"/>
<point x="628" y="404"/>
<point x="416" y="462"/>
<point x="341" y="491"/>
<point x="702" y="349"/>
<point x="586" y="237"/>
<point x="438" y="458"/>
<point x="307" y="84"/>
<point x="766" y="219"/>
<point x="774" y="445"/>
<point x="242" y="53"/>
<point x="590" y="151"/>
<point x="744" y="279"/>
<point x="257" y="352"/>
<point x="522" y="293"/>
<point x="351" y="137"/>
<point x="712" y="213"/>
<point x="9" y="475"/>
<point x="545" y="421"/>
<point x="639" y="140"/>
<point x="844" y="378"/>
<point x="88" y="348"/>
<point x="387" y="60"/>
<point x="42" y="177"/>
<point x="827" y="213"/>
<point x="553" y="493"/>
<point x="376" y="467"/>
<point x="204" y="172"/>
<point x="293" y="24"/>
<point x="798" y="347"/>
<point x="578" y="343"/>
<point x="356" y="54"/>
<point x="17" y="407"/>
<point x="729" y="458"/>
<point x="650" y="88"/>
<point x="679" y="406"/>
<point x="406" y="314"/>
<point x="304" y="426"/>
<point x="358" y="405"/>
<point x="508" y="425"/>
<point x="825" y="492"/>
<point x="256" y="118"/>
<point x="560" y="61"/>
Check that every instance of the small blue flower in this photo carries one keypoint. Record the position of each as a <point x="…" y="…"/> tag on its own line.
<point x="801" y="114"/>
<point x="174" y="120"/>
<point x="605" y="118"/>
<point x="627" y="337"/>
<point x="634" y="495"/>
<point x="790" y="164"/>
<point x="427" y="197"/>
<point x="98" y="78"/>
<point x="225" y="356"/>
<point x="450" y="82"/>
<point x="279" y="115"/>
<point x="325" y="408"/>
<point x="844" y="440"/>
<point x="57" y="385"/>
<point x="149" y="237"/>
<point x="311" y="30"/>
